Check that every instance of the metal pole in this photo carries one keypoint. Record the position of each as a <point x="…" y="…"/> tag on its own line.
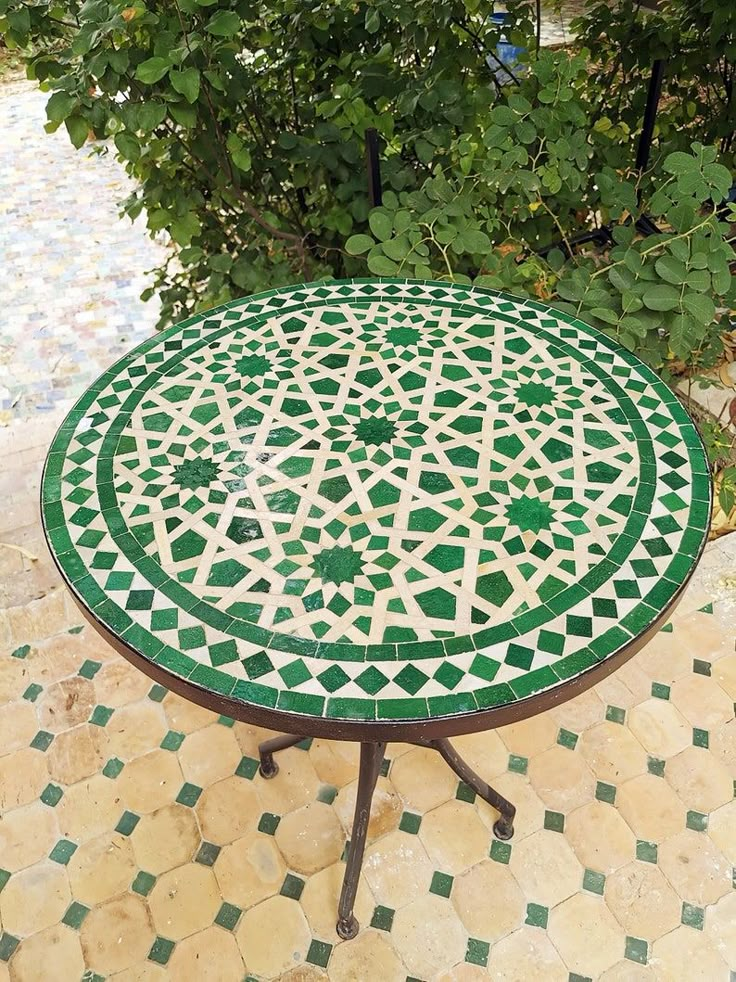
<point x="650" y="115"/>
<point x="373" y="168"/>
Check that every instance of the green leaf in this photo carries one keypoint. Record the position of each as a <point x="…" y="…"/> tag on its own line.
<point x="621" y="278"/>
<point x="671" y="270"/>
<point x="381" y="265"/>
<point x="701" y="307"/>
<point x="678" y="163"/>
<point x="699" y="279"/>
<point x="184" y="228"/>
<point x="358" y="244"/>
<point x="225" y="23"/>
<point x="186" y="83"/>
<point x="503" y="116"/>
<point x="60" y="106"/>
<point x="605" y="314"/>
<point x="726" y="498"/>
<point x="719" y="180"/>
<point x="381" y="225"/>
<point x="661" y="297"/>
<point x="372" y="20"/>
<point x="152" y="70"/>
<point x="398" y="248"/>
<point x="683" y="335"/>
<point x="77" y="128"/>
<point x="150" y="115"/>
<point x="128" y="146"/>
<point x="475" y="241"/>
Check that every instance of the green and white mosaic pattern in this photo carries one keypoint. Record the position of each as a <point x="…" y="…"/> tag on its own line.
<point x="377" y="499"/>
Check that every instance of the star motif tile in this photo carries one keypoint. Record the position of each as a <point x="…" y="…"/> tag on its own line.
<point x="377" y="499"/>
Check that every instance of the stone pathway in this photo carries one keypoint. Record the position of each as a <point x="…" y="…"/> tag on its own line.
<point x="71" y="272"/>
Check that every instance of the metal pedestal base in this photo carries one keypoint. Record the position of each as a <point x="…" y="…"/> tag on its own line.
<point x="371" y="758"/>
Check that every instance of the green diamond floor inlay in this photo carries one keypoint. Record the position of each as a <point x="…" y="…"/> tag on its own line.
<point x="286" y="501"/>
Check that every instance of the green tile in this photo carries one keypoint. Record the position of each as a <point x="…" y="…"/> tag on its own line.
<point x="319" y="953"/>
<point x="63" y="851"/>
<point x="477" y="952"/>
<point x="207" y="854"/>
<point x="518" y="765"/>
<point x="172" y="741"/>
<point x="701" y="738"/>
<point x="383" y="918"/>
<point x="660" y="691"/>
<point x="33" y="691"/>
<point x="128" y="821"/>
<point x="465" y="793"/>
<point x="4" y="877"/>
<point x="8" y="944"/>
<point x="410" y="822"/>
<point x="75" y="914"/>
<point x="89" y="669"/>
<point x="655" y="766"/>
<point x="157" y="693"/>
<point x="143" y="883"/>
<point x="566" y="738"/>
<point x="113" y="768"/>
<point x="615" y="715"/>
<point x="554" y="821"/>
<point x="327" y="794"/>
<point x="21" y="652"/>
<point x="693" y="916"/>
<point x="161" y="950"/>
<point x="605" y="792"/>
<point x="268" y="823"/>
<point x="500" y="851"/>
<point x="228" y="916"/>
<point x="441" y="884"/>
<point x="697" y="821"/>
<point x="593" y="881"/>
<point x="636" y="950"/>
<point x="701" y="667"/>
<point x="51" y="795"/>
<point x="42" y="740"/>
<point x="247" y="768"/>
<point x="189" y="794"/>
<point x="537" y="915"/>
<point x="101" y="715"/>
<point x="646" y="851"/>
<point x="292" y="886"/>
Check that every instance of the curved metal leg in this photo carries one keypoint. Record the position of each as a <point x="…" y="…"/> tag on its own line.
<point x="371" y="758"/>
<point x="269" y="768"/>
<point x="503" y="828"/>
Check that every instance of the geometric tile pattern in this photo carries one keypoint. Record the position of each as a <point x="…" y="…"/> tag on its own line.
<point x="378" y="499"/>
<point x="150" y="863"/>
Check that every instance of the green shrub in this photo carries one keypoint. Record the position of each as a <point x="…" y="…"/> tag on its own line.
<point x="242" y="124"/>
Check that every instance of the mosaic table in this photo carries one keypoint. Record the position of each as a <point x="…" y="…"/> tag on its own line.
<point x="378" y="510"/>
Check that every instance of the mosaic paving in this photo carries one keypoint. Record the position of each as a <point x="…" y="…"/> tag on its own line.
<point x="138" y="843"/>
<point x="71" y="270"/>
<point x="379" y="499"/>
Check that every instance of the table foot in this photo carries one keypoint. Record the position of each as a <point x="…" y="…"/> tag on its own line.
<point x="504" y="826"/>
<point x="347" y="930"/>
<point x="503" y="829"/>
<point x="371" y="758"/>
<point x="269" y="768"/>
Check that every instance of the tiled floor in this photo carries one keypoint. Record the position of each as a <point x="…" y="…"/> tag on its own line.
<point x="138" y="842"/>
<point x="72" y="271"/>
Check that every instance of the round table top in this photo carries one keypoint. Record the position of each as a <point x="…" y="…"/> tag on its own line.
<point x="377" y="507"/>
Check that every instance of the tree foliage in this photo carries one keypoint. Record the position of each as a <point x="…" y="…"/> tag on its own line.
<point x="242" y="124"/>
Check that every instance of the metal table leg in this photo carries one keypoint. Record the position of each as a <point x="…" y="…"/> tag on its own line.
<point x="371" y="758"/>
<point x="269" y="768"/>
<point x="503" y="827"/>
